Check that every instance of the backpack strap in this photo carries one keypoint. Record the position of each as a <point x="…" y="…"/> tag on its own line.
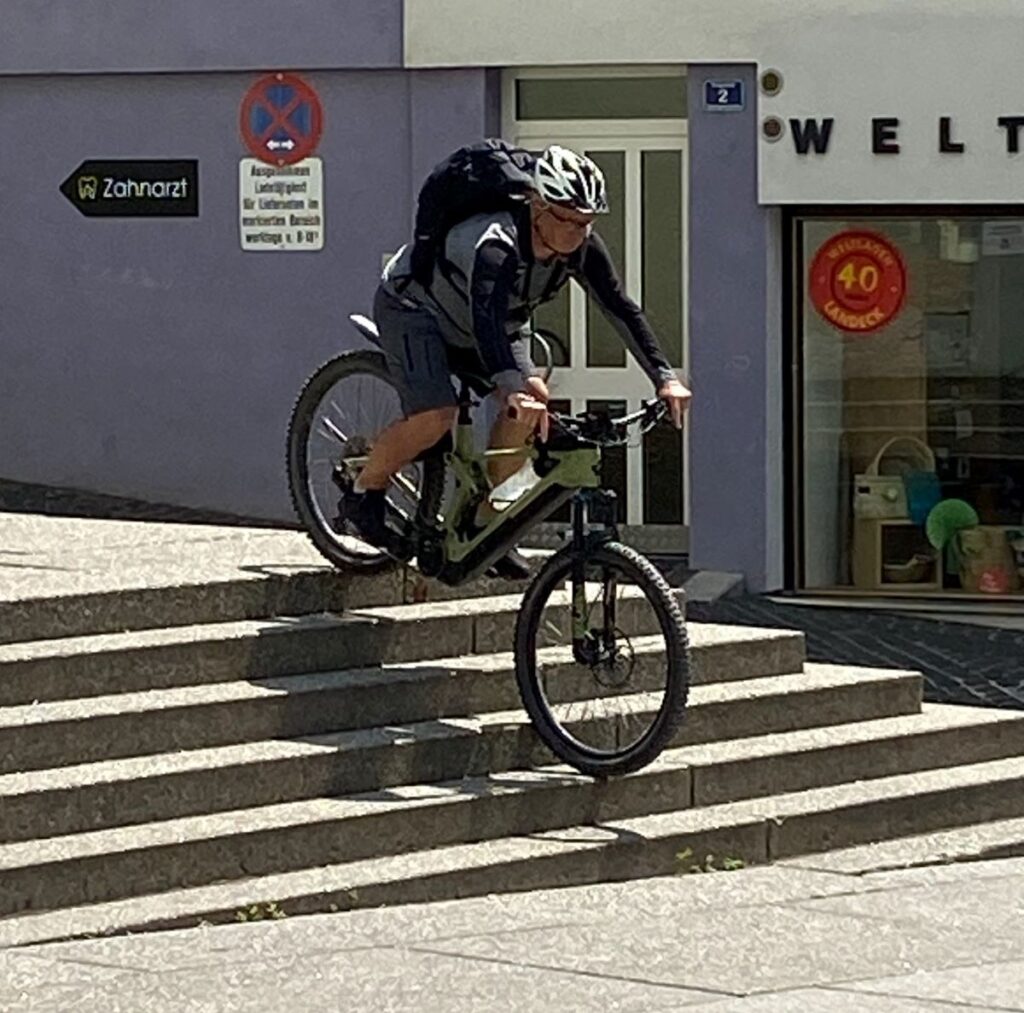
<point x="554" y="283"/>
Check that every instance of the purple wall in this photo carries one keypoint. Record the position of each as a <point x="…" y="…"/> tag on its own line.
<point x="447" y="109"/>
<point x="61" y="36"/>
<point x="735" y="442"/>
<point x="153" y="358"/>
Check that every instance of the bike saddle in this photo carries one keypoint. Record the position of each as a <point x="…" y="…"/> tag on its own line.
<point x="366" y="327"/>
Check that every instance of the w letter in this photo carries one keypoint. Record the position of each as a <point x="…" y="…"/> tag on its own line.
<point x="811" y="132"/>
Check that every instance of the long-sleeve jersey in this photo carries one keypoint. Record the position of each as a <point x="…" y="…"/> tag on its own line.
<point x="488" y="283"/>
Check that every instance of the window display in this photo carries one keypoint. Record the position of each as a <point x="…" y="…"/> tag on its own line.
<point x="912" y="355"/>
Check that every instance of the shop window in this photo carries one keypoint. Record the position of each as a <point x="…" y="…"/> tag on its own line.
<point x="600" y="98"/>
<point x="913" y="409"/>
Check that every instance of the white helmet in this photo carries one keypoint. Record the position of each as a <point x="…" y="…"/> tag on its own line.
<point x="562" y="176"/>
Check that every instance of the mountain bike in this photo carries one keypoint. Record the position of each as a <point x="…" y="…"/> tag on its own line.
<point x="599" y="627"/>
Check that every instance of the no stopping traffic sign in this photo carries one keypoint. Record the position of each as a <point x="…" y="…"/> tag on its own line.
<point x="281" y="119"/>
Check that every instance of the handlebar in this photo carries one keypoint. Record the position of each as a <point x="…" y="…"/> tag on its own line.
<point x="600" y="429"/>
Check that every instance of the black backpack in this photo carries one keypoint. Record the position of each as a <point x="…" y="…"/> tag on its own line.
<point x="483" y="177"/>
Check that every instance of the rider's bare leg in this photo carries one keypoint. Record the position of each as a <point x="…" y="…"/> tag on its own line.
<point x="400" y="443"/>
<point x="507" y="434"/>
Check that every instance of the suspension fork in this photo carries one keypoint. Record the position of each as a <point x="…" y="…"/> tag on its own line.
<point x="597" y="506"/>
<point x="579" y="572"/>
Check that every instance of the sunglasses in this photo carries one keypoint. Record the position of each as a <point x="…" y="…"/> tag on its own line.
<point x="566" y="219"/>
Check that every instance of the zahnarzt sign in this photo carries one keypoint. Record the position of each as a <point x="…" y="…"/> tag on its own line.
<point x="147" y="188"/>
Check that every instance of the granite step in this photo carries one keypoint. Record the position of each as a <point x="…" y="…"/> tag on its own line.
<point x="145" y="722"/>
<point x="607" y="845"/>
<point x="931" y="853"/>
<point x="121" y="792"/>
<point x="76" y="577"/>
<point x="127" y="861"/>
<point x="104" y="664"/>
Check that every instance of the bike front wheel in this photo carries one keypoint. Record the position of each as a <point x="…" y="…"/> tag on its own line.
<point x="602" y="659"/>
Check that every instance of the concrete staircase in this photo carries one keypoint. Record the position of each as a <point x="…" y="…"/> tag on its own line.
<point x="170" y="756"/>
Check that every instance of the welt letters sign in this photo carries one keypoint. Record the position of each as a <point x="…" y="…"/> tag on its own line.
<point x="873" y="123"/>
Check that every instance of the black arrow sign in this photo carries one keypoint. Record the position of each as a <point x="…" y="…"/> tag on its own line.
<point x="147" y="188"/>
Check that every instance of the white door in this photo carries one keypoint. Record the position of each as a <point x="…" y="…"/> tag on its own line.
<point x="646" y="232"/>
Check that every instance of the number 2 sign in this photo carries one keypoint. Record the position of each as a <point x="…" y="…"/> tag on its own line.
<point x="723" y="96"/>
<point x="858" y="281"/>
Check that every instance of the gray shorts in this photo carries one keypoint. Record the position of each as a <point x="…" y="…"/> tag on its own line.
<point x="422" y="363"/>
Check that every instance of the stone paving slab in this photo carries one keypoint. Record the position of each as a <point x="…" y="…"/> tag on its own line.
<point x="944" y="872"/>
<point x="980" y="908"/>
<point x="996" y="986"/>
<point x="770" y="940"/>
<point x="961" y="663"/>
<point x="42" y="557"/>
<point x="762" y="949"/>
<point x="393" y="979"/>
<point x="821" y="1000"/>
<point x="59" y="556"/>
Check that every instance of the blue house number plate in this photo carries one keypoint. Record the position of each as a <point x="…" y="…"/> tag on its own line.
<point x="723" y="96"/>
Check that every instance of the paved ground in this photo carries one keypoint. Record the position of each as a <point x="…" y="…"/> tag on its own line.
<point x="48" y="557"/>
<point x="962" y="662"/>
<point x="805" y="936"/>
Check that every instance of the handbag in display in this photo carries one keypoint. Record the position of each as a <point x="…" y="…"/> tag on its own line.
<point x="987" y="562"/>
<point x="883" y="496"/>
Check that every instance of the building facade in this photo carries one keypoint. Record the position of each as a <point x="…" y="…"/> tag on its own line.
<point x="817" y="207"/>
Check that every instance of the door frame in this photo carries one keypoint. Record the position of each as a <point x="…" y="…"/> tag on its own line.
<point x="629" y="135"/>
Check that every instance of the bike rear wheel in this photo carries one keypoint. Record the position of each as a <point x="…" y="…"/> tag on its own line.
<point x="602" y="659"/>
<point x="341" y="410"/>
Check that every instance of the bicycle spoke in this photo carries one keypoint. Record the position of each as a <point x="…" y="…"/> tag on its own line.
<point x="347" y="419"/>
<point x="589" y="688"/>
<point x="333" y="430"/>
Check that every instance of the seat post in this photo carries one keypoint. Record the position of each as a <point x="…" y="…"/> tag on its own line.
<point x="465" y="403"/>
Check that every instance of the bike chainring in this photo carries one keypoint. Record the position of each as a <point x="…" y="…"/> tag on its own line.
<point x="430" y="558"/>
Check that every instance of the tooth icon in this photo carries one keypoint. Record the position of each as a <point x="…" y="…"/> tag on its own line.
<point x="87" y="187"/>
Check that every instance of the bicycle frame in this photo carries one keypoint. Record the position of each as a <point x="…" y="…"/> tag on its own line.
<point x="453" y="549"/>
<point x="563" y="473"/>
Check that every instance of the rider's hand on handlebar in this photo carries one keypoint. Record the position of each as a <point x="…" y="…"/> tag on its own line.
<point x="538" y="389"/>
<point x="525" y="407"/>
<point x="677" y="397"/>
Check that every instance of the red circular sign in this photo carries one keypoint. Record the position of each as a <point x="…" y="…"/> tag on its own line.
<point x="858" y="282"/>
<point x="281" y="119"/>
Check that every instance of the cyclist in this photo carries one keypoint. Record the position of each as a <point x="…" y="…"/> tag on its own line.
<point x="473" y="318"/>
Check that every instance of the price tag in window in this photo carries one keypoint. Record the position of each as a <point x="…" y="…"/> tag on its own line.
<point x="1002" y="238"/>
